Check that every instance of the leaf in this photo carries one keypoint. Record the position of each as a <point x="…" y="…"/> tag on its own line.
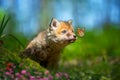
<point x="5" y="35"/>
<point x="3" y="25"/>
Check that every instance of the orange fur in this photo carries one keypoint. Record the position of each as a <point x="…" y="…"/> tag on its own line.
<point x="45" y="48"/>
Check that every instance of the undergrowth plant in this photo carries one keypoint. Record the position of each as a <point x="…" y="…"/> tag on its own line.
<point x="3" y="24"/>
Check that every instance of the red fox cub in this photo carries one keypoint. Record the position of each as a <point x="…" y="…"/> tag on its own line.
<point x="45" y="48"/>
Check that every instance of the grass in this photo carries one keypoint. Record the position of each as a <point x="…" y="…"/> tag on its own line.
<point x="96" y="56"/>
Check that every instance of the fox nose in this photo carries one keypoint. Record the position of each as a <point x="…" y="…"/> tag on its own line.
<point x="74" y="36"/>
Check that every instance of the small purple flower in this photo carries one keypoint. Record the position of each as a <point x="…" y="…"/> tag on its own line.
<point x="46" y="72"/>
<point x="58" y="75"/>
<point x="23" y="72"/>
<point x="11" y="70"/>
<point x="20" y="76"/>
<point x="66" y="75"/>
<point x="7" y="73"/>
<point x="50" y="77"/>
<point x="32" y="78"/>
<point x="17" y="74"/>
<point x="45" y="78"/>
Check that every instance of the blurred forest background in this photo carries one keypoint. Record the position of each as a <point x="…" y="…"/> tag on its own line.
<point x="96" y="56"/>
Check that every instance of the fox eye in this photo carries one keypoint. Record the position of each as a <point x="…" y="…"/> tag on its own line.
<point x="64" y="31"/>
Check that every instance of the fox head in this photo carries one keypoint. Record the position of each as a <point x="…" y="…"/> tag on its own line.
<point x="61" y="31"/>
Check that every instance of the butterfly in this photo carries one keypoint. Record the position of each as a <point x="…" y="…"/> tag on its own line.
<point x="81" y="32"/>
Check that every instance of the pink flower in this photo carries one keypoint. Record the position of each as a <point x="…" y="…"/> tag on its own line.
<point x="7" y="73"/>
<point x="23" y="72"/>
<point x="45" y="78"/>
<point x="11" y="70"/>
<point x="50" y="77"/>
<point x="58" y="75"/>
<point x="46" y="72"/>
<point x="17" y="74"/>
<point x="66" y="75"/>
<point x="32" y="78"/>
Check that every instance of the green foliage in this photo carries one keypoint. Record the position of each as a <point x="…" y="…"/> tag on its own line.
<point x="3" y="24"/>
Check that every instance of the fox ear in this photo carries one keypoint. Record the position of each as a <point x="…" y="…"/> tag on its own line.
<point x="54" y="23"/>
<point x="70" y="21"/>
